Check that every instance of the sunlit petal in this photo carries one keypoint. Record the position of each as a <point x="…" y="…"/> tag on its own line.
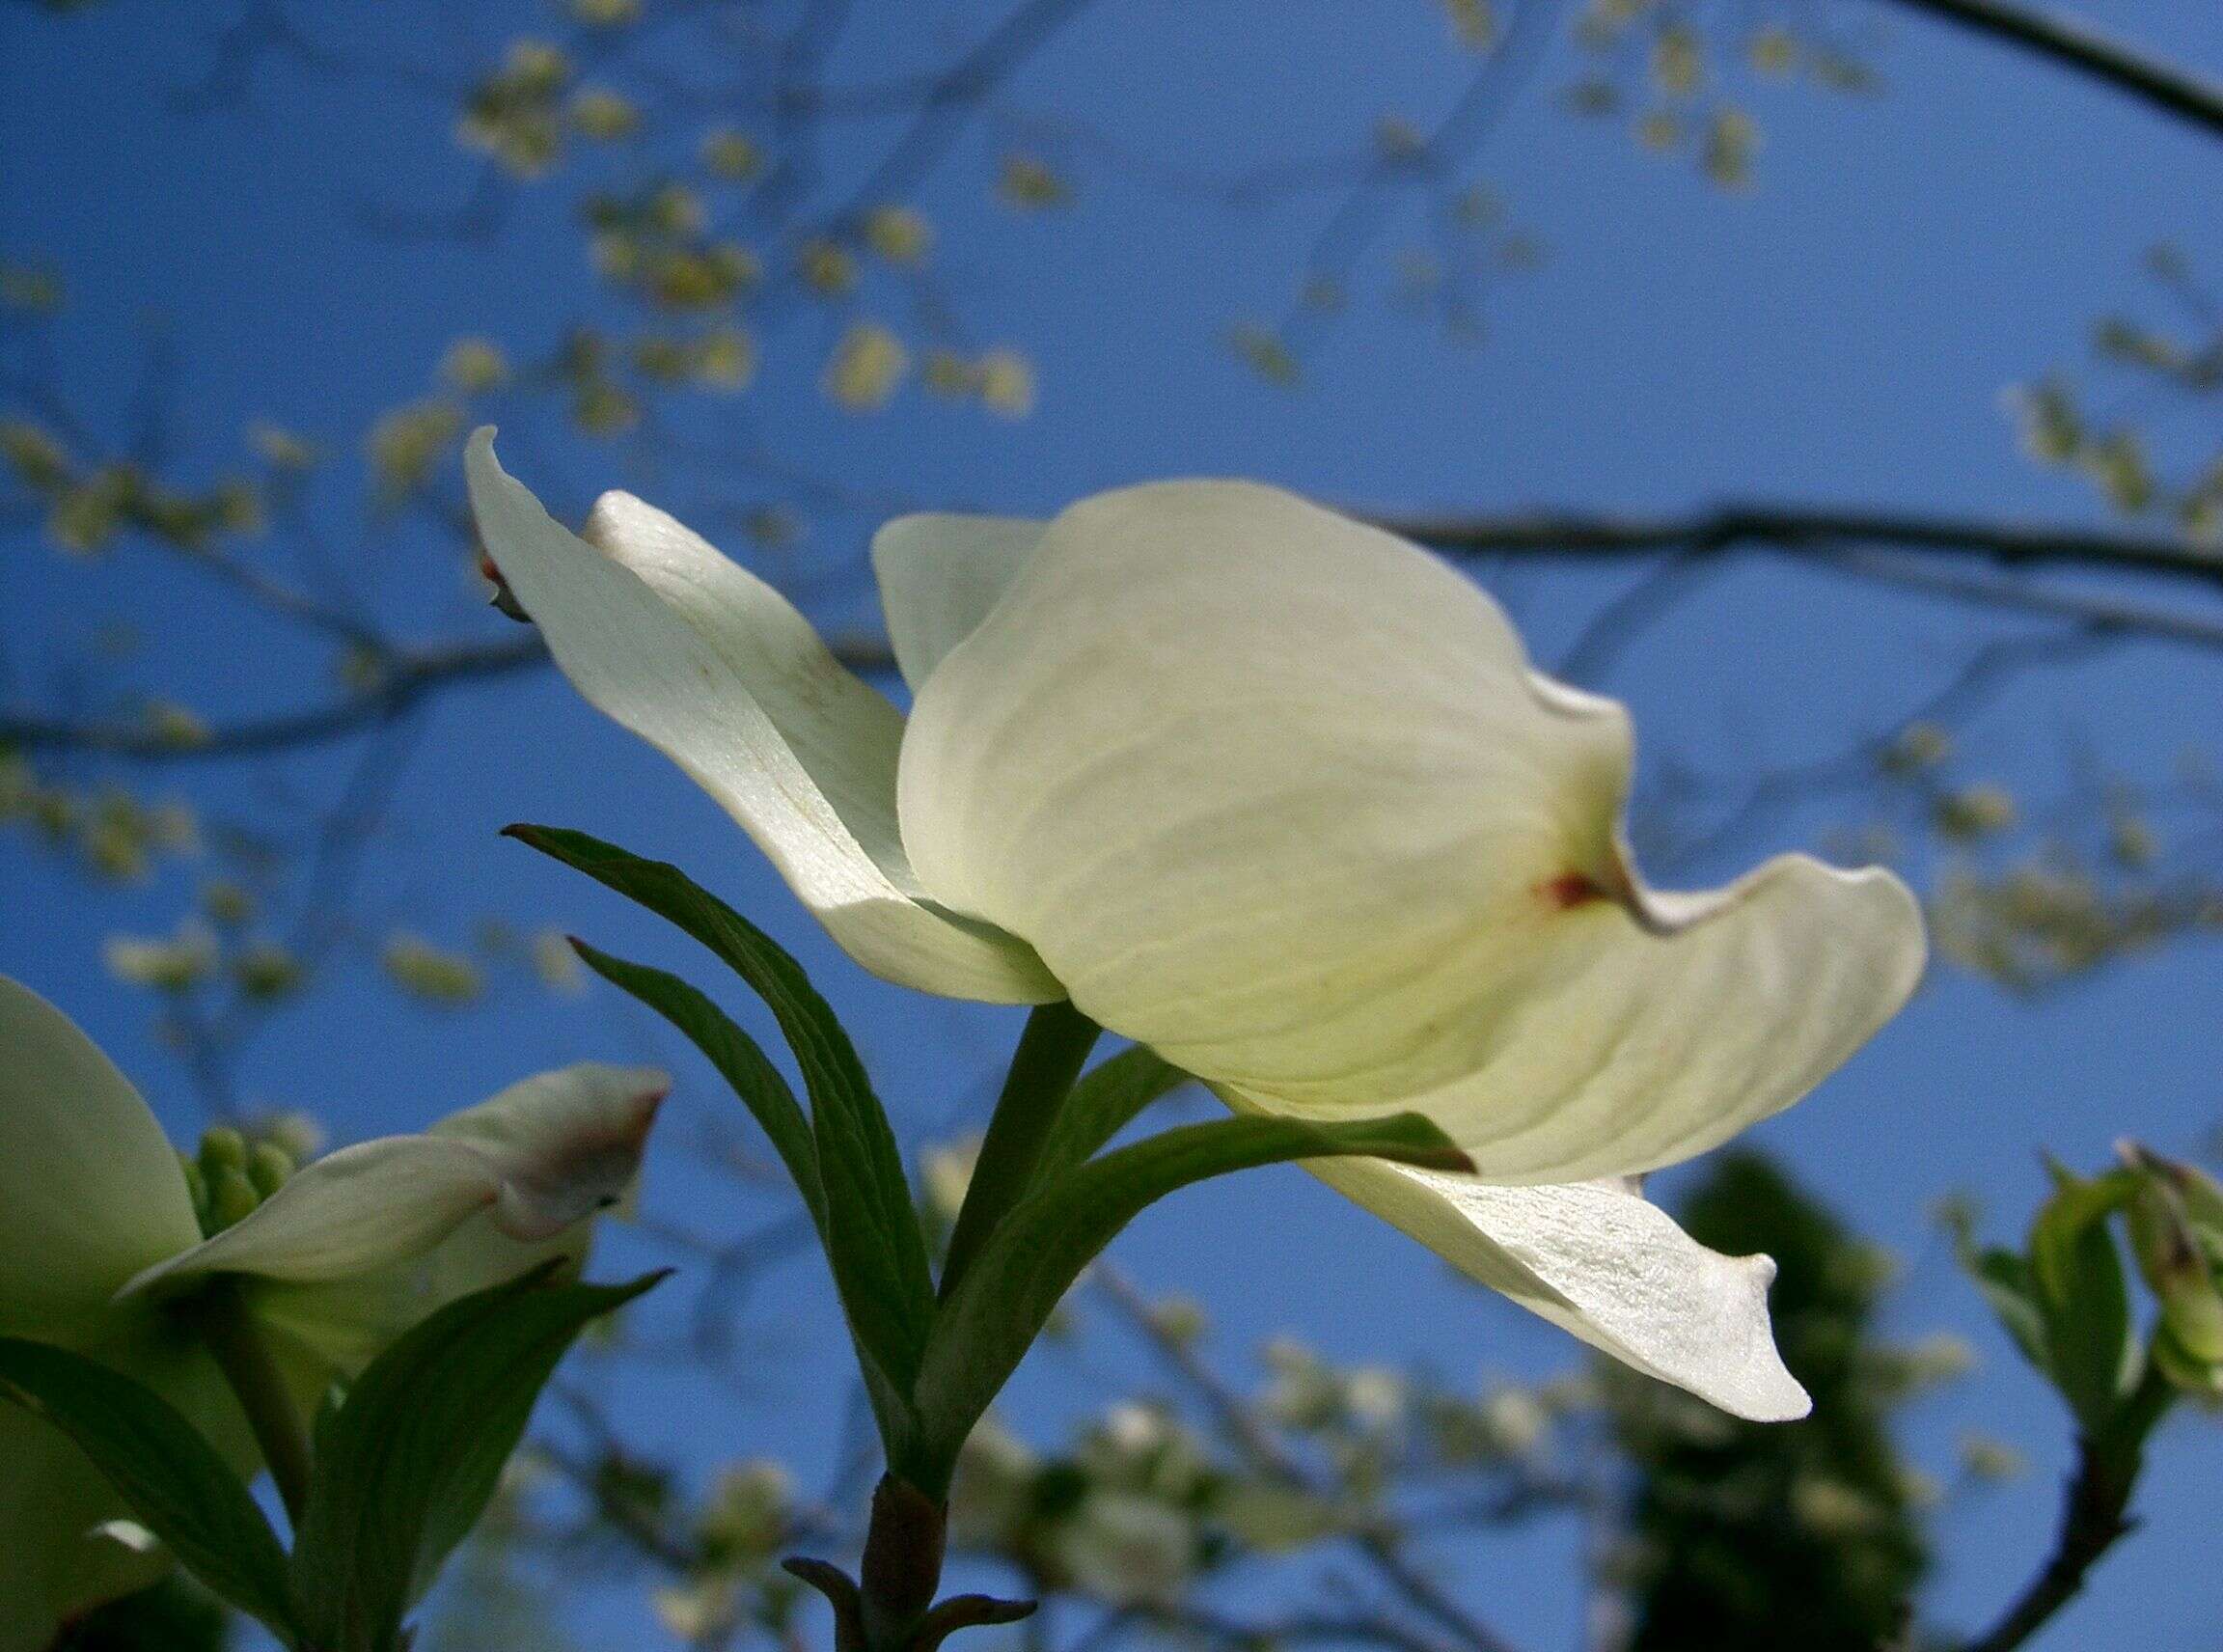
<point x="719" y="672"/>
<point x="1279" y="795"/>
<point x="1604" y="1264"/>
<point x="938" y="576"/>
<point x="350" y="1214"/>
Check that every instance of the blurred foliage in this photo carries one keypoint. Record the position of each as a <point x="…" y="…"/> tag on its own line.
<point x="1671" y="73"/>
<point x="2033" y="896"/>
<point x="2120" y="428"/>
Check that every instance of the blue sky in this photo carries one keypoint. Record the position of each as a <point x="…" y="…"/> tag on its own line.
<point x="1840" y="335"/>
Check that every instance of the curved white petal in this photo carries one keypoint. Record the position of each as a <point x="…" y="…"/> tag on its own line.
<point x="349" y="1215"/>
<point x="566" y="1145"/>
<point x="1278" y="794"/>
<point x="1603" y="1263"/>
<point x="719" y="672"/>
<point x="940" y="575"/>
<point x="567" y="1142"/>
<point x="538" y="1159"/>
<point x="90" y="1190"/>
<point x="1650" y="1032"/>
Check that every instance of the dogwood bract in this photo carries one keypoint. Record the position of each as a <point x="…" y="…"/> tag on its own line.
<point x="101" y="1245"/>
<point x="1279" y="795"/>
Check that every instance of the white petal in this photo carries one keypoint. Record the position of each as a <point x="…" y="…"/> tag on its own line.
<point x="566" y="1145"/>
<point x="1604" y="1264"/>
<point x="90" y="1190"/>
<point x="567" y="1142"/>
<point x="1277" y="794"/>
<point x="349" y="1215"/>
<point x="939" y="577"/>
<point x="1654" y="1032"/>
<point x="538" y="1158"/>
<point x="719" y="672"/>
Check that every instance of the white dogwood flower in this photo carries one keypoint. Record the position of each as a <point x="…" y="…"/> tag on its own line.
<point x="1279" y="795"/>
<point x="102" y="1246"/>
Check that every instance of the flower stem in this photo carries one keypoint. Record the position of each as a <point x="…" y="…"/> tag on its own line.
<point x="1051" y="1051"/>
<point x="893" y="1609"/>
<point x="220" y="1313"/>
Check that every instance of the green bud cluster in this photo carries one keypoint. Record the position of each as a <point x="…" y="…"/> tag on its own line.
<point x="230" y="1177"/>
<point x="2174" y="1217"/>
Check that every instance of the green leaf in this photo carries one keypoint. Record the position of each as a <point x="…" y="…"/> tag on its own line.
<point x="171" y="1479"/>
<point x="2082" y="1297"/>
<point x="738" y="1058"/>
<point x="2004" y="1279"/>
<point x="872" y="1229"/>
<point x="411" y="1458"/>
<point x="987" y="1325"/>
<point x="1104" y="1103"/>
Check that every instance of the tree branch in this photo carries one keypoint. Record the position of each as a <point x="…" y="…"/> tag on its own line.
<point x="2080" y="47"/>
<point x="1802" y="530"/>
<point x="1844" y="539"/>
<point x="412" y="677"/>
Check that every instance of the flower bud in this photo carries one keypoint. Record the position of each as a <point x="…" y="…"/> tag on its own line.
<point x="2201" y="1378"/>
<point x="197" y="1189"/>
<point x="2175" y="1263"/>
<point x="268" y="1167"/>
<point x="222" y="1147"/>
<point x="2200" y="1194"/>
<point x="232" y="1197"/>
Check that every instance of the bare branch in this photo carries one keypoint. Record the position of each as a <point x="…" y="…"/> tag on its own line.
<point x="411" y="677"/>
<point x="1846" y="540"/>
<point x="1797" y="529"/>
<point x="2077" y="46"/>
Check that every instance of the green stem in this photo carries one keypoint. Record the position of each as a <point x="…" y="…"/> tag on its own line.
<point x="220" y="1313"/>
<point x="2095" y="1515"/>
<point x="892" y="1609"/>
<point x="1051" y="1051"/>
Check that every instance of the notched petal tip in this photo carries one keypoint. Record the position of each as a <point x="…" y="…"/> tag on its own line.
<point x="564" y="1144"/>
<point x="1603" y="1263"/>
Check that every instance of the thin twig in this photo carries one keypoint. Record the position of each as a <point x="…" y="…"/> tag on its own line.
<point x="413" y="674"/>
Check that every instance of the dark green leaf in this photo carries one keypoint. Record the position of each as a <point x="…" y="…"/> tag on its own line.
<point x="738" y="1058"/>
<point x="171" y="1479"/>
<point x="414" y="1452"/>
<point x="1104" y="1103"/>
<point x="872" y="1237"/>
<point x="990" y="1321"/>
